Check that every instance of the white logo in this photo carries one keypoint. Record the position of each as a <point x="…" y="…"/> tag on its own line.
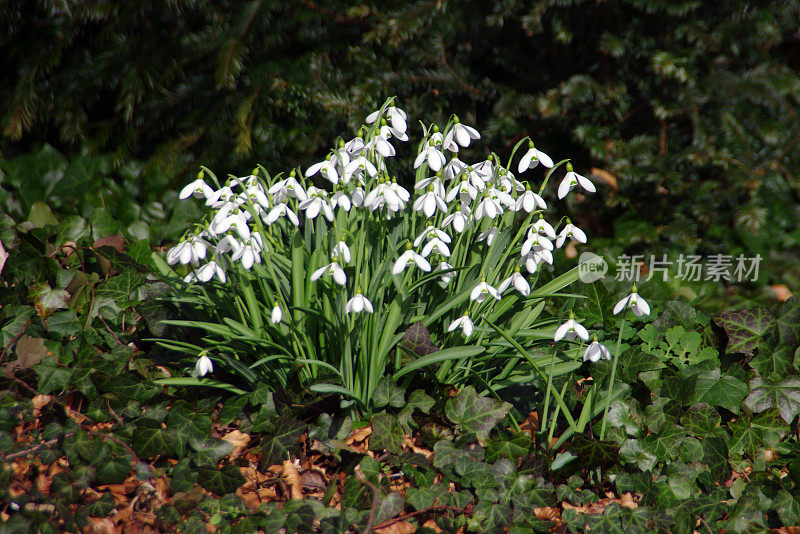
<point x="591" y="267"/>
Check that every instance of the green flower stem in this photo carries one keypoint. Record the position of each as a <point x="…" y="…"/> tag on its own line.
<point x="555" y="416"/>
<point x="546" y="409"/>
<point x="613" y="377"/>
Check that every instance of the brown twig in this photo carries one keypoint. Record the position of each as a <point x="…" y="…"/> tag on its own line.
<point x="376" y="497"/>
<point x="15" y="338"/>
<point x="31" y="450"/>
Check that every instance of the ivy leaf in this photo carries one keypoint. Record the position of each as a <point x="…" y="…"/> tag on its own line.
<point x="445" y="454"/>
<point x="52" y="376"/>
<point x="220" y="480"/>
<point x="389" y="506"/>
<point x="725" y="391"/>
<point x="715" y="455"/>
<point x="283" y="441"/>
<point x="210" y="451"/>
<point x="675" y="313"/>
<point x="774" y="392"/>
<point x="632" y="451"/>
<point x="665" y="444"/>
<point x="511" y="446"/>
<point x="386" y="434"/>
<point x="787" y="506"/>
<point x="417" y="400"/>
<point x="388" y="393"/>
<point x="474" y="413"/>
<point x="425" y="497"/>
<point x="773" y="361"/>
<point x="789" y="323"/>
<point x="116" y="468"/>
<point x="417" y="339"/>
<point x="152" y="439"/>
<point x="701" y="419"/>
<point x="745" y="328"/>
<point x="593" y="452"/>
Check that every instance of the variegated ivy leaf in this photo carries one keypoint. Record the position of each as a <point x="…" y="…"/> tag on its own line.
<point x="745" y="328"/>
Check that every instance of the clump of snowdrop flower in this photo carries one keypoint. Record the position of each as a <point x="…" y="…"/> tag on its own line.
<point x="355" y="234"/>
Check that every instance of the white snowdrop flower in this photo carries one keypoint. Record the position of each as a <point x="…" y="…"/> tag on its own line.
<point x="429" y="202"/>
<point x="357" y="197"/>
<point x="282" y="210"/>
<point x="209" y="270"/>
<point x="358" y="304"/>
<point x="388" y="131"/>
<point x="535" y="257"/>
<point x="250" y="253"/>
<point x="430" y="232"/>
<point x="489" y="235"/>
<point x="519" y="282"/>
<point x="227" y="244"/>
<point x="571" y="179"/>
<point x="432" y="153"/>
<point x="459" y="134"/>
<point x="529" y="201"/>
<point x="482" y="290"/>
<point x="446" y="276"/>
<point x="542" y="227"/>
<point x="501" y="196"/>
<point x="459" y="220"/>
<point x="326" y="169"/>
<point x="197" y="189"/>
<point x="385" y="194"/>
<point x="532" y="158"/>
<point x="334" y="269"/>
<point x="342" y="200"/>
<point x="595" y="351"/>
<point x="340" y="157"/>
<point x="190" y="278"/>
<point x="507" y="183"/>
<point x="203" y="366"/>
<point x="255" y="194"/>
<point x="483" y="170"/>
<point x="401" y="192"/>
<point x="354" y="146"/>
<point x="410" y="257"/>
<point x="199" y="247"/>
<point x="464" y="190"/>
<point x="381" y="145"/>
<point x="535" y="239"/>
<point x="286" y="189"/>
<point x="316" y="203"/>
<point x="488" y="207"/>
<point x="220" y="197"/>
<point x="453" y="169"/>
<point x="434" y="181"/>
<point x="570" y="330"/>
<point x="396" y="115"/>
<point x="277" y="314"/>
<point x="185" y="252"/>
<point x="237" y="220"/>
<point x="463" y="322"/>
<point x="570" y="230"/>
<point x="635" y="302"/>
<point x="357" y="167"/>
<point x="341" y="251"/>
<point x="219" y="217"/>
<point x="436" y="245"/>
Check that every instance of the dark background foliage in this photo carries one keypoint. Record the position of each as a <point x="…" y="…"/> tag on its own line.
<point x="686" y="109"/>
